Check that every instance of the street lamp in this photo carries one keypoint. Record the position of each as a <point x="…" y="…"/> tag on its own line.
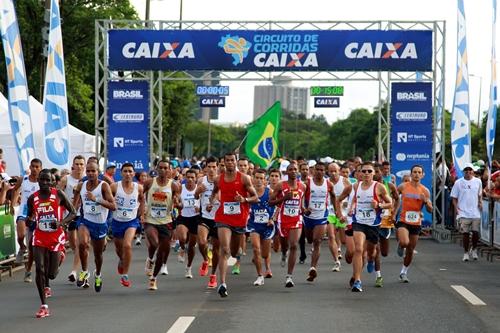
<point x="479" y="106"/>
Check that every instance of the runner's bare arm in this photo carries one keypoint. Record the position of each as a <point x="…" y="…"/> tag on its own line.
<point x="63" y="183"/>
<point x="200" y="188"/>
<point x="107" y="200"/>
<point x="213" y="195"/>
<point x="382" y="194"/>
<point x="176" y="193"/>
<point x="395" y="200"/>
<point x="336" y="204"/>
<point x="114" y="188"/>
<point x="427" y="201"/>
<point x="76" y="195"/>
<point x="140" y="211"/>
<point x="274" y="196"/>
<point x="347" y="190"/>
<point x="63" y="199"/>
<point x="254" y="197"/>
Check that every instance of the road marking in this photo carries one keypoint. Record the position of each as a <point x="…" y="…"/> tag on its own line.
<point x="469" y="296"/>
<point x="442" y="269"/>
<point x="181" y="324"/>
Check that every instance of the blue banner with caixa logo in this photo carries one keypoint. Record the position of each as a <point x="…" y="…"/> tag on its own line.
<point x="412" y="132"/>
<point x="128" y="124"/>
<point x="270" y="50"/>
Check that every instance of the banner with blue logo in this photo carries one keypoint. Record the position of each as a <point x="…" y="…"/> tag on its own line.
<point x="412" y="132"/>
<point x="128" y="124"/>
<point x="271" y="50"/>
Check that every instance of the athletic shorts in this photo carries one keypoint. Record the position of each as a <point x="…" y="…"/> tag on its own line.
<point x="311" y="223"/>
<point x="266" y="232"/>
<point x="210" y="225"/>
<point x="73" y="224"/>
<point x="467" y="225"/>
<point x="164" y="230"/>
<point x="189" y="222"/>
<point x="384" y="233"/>
<point x="237" y="230"/>
<point x="412" y="229"/>
<point x="97" y="230"/>
<point x="118" y="228"/>
<point x="284" y="229"/>
<point x="54" y="241"/>
<point x="371" y="232"/>
<point x="333" y="219"/>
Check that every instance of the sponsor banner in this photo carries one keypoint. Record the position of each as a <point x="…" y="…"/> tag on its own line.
<point x="213" y="101"/>
<point x="128" y="124"/>
<point x="485" y="227"/>
<point x="412" y="132"/>
<point x="326" y="102"/>
<point x="270" y="50"/>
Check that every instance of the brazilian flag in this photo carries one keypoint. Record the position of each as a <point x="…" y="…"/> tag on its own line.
<point x="262" y="137"/>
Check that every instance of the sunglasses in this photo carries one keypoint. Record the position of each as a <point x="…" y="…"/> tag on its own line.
<point x="468" y="170"/>
<point x="367" y="171"/>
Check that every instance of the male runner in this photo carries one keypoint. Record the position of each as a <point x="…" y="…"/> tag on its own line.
<point x="236" y="192"/>
<point x="162" y="192"/>
<point x="289" y="195"/>
<point x="243" y="167"/>
<point x="129" y="213"/>
<point x="414" y="196"/>
<point x="45" y="211"/>
<point x="206" y="227"/>
<point x="68" y="185"/>
<point x="274" y="180"/>
<point x="96" y="200"/>
<point x="261" y="226"/>
<point x="304" y="178"/>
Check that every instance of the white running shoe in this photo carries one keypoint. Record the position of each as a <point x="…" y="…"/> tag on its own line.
<point x="164" y="270"/>
<point x="466" y="257"/>
<point x="336" y="267"/>
<point x="259" y="281"/>
<point x="289" y="282"/>
<point x="189" y="274"/>
<point x="283" y="260"/>
<point x="474" y="254"/>
<point x="138" y="240"/>
<point x="180" y="256"/>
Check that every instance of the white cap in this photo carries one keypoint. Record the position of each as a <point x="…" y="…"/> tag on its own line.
<point x="327" y="160"/>
<point x="284" y="164"/>
<point x="471" y="166"/>
<point x="311" y="163"/>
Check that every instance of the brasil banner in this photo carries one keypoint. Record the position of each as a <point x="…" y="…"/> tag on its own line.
<point x="261" y="145"/>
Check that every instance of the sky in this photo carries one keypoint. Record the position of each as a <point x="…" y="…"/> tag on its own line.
<point x="239" y="104"/>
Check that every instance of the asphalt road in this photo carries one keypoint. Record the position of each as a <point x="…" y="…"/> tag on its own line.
<point x="427" y="304"/>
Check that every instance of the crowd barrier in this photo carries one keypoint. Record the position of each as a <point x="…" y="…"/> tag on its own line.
<point x="7" y="233"/>
<point x="489" y="233"/>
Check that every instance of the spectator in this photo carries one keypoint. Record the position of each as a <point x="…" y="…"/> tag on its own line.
<point x="3" y="165"/>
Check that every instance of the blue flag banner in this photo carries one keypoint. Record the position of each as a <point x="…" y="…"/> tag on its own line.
<point x="460" y="118"/>
<point x="412" y="132"/>
<point x="492" y="110"/>
<point x="128" y="124"/>
<point x="17" y="85"/>
<point x="270" y="50"/>
<point x="55" y="103"/>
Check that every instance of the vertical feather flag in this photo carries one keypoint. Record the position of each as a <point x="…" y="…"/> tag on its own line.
<point x="492" y="110"/>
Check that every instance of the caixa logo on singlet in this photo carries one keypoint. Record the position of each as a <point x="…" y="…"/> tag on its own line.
<point x="127" y="94"/>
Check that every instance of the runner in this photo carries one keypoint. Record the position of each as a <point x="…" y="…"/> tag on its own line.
<point x="369" y="199"/>
<point x="236" y="192"/>
<point x="414" y="196"/>
<point x="44" y="211"/>
<point x="187" y="221"/>
<point x="289" y="195"/>
<point x="243" y="167"/>
<point x="28" y="186"/>
<point x="274" y="180"/>
<point x="206" y="227"/>
<point x="68" y="185"/>
<point x="96" y="200"/>
<point x="261" y="227"/>
<point x="129" y="214"/>
<point x="304" y="178"/>
<point x="319" y="194"/>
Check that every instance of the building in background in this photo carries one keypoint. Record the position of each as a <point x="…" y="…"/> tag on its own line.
<point x="293" y="99"/>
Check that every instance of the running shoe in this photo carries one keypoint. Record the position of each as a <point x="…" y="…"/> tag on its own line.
<point x="124" y="280"/>
<point x="336" y="266"/>
<point x="259" y="281"/>
<point x="212" y="282"/>
<point x="72" y="277"/>
<point x="20" y="256"/>
<point x="149" y="267"/>
<point x="370" y="266"/>
<point x="164" y="269"/>
<point x="283" y="260"/>
<point x="203" y="271"/>
<point x="379" y="282"/>
<point x="302" y="259"/>
<point x="466" y="257"/>
<point x="180" y="256"/>
<point x="138" y="240"/>
<point x="401" y="251"/>
<point x="474" y="254"/>
<point x="176" y="247"/>
<point x="27" y="277"/>
<point x="340" y="254"/>
<point x="83" y="280"/>
<point x="268" y="274"/>
<point x="236" y="270"/>
<point x="351" y="282"/>
<point x="120" y="267"/>
<point x="403" y="278"/>
<point x="43" y="312"/>
<point x="189" y="274"/>
<point x="357" y="287"/>
<point x="222" y="290"/>
<point x="312" y="274"/>
<point x="48" y="292"/>
<point x="97" y="283"/>
<point x="152" y="284"/>
<point x="289" y="282"/>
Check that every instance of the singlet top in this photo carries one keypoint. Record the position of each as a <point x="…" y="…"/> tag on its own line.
<point x="27" y="189"/>
<point x="71" y="183"/>
<point x="160" y="203"/>
<point x="261" y="212"/>
<point x="338" y="188"/>
<point x="317" y="199"/>
<point x="127" y="205"/>
<point x="411" y="204"/>
<point x="290" y="210"/>
<point x="189" y="203"/>
<point x="93" y="211"/>
<point x="230" y="211"/>
<point x="204" y="197"/>
<point x="364" y="213"/>
<point x="47" y="211"/>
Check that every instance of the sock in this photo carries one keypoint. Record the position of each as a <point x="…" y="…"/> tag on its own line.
<point x="378" y="274"/>
<point x="125" y="276"/>
<point x="404" y="270"/>
<point x="45" y="306"/>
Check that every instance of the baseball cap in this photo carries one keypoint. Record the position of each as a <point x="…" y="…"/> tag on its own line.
<point x="470" y="166"/>
<point x="284" y="164"/>
<point x="110" y="165"/>
<point x="311" y="163"/>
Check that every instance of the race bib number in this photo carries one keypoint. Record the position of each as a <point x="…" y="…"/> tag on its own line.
<point x="232" y="208"/>
<point x="91" y="208"/>
<point x="261" y="217"/>
<point x="124" y="213"/>
<point x="412" y="217"/>
<point x="367" y="213"/>
<point x="159" y="212"/>
<point x="318" y="205"/>
<point x="47" y="225"/>
<point x="189" y="203"/>
<point x="291" y="210"/>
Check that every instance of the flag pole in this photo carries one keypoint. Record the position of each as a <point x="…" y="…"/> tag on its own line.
<point x="244" y="138"/>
